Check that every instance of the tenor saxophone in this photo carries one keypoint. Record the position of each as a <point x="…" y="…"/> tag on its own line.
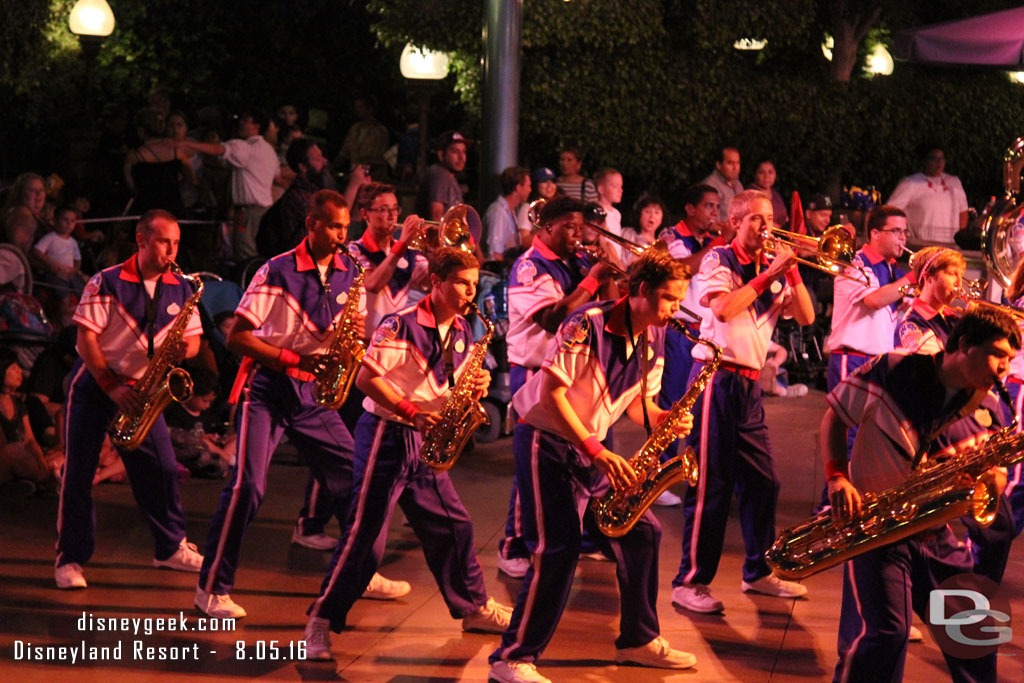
<point x="933" y="494"/>
<point x="461" y="414"/>
<point x="337" y="368"/>
<point x="617" y="511"/>
<point x="162" y="381"/>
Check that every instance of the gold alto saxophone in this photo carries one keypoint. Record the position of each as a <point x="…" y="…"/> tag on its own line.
<point x="337" y="368"/>
<point x="162" y="380"/>
<point x="461" y="414"/>
<point x="933" y="494"/>
<point x="617" y="511"/>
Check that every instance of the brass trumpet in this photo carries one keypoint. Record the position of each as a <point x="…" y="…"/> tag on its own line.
<point x="455" y="229"/>
<point x="833" y="252"/>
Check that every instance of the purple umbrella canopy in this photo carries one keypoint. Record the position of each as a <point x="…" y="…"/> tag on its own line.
<point x="995" y="39"/>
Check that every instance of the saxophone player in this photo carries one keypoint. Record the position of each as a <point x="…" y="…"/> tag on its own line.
<point x="606" y="359"/>
<point x="123" y="318"/>
<point x="901" y="404"/>
<point x="283" y="324"/>
<point x="414" y="357"/>
<point x="746" y="293"/>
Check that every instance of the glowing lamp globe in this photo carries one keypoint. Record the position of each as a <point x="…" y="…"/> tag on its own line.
<point x="423" y="64"/>
<point x="92" y="18"/>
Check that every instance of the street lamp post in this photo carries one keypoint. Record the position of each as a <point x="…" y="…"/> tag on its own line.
<point x="423" y="68"/>
<point x="91" y="21"/>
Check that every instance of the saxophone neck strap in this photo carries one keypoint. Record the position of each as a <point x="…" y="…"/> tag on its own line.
<point x="642" y="350"/>
<point x="151" y="309"/>
<point x="973" y="402"/>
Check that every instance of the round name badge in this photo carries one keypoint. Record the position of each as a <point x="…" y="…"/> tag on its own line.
<point x="173" y="309"/>
<point x="460" y="346"/>
<point x="403" y="263"/>
<point x="776" y="287"/>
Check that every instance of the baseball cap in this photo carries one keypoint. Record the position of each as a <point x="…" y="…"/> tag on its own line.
<point x="449" y="138"/>
<point x="818" y="202"/>
<point x="542" y="175"/>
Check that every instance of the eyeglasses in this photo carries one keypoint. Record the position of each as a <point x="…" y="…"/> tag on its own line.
<point x="393" y="210"/>
<point x="896" y="232"/>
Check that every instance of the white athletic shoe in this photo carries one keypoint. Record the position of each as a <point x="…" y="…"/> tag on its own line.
<point x="318" y="639"/>
<point x="773" y="585"/>
<point x="513" y="566"/>
<point x="69" y="576"/>
<point x="667" y="499"/>
<point x="185" y="559"/>
<point x="381" y="588"/>
<point x="491" y="617"/>
<point x="221" y="606"/>
<point x="319" y="541"/>
<point x="658" y="654"/>
<point x="515" y="671"/>
<point x="696" y="598"/>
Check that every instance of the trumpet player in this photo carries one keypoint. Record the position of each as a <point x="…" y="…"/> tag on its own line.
<point x="901" y="404"/>
<point x="415" y="357"/>
<point x="123" y="319"/>
<point x="939" y="273"/>
<point x="746" y="293"/>
<point x="282" y="325"/>
<point x="547" y="281"/>
<point x="605" y="360"/>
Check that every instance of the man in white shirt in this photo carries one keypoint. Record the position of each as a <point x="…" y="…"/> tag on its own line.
<point x="935" y="201"/>
<point x="500" y="219"/>
<point x="726" y="180"/>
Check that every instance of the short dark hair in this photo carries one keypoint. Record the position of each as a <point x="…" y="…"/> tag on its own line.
<point x="655" y="267"/>
<point x="694" y="194"/>
<point x="512" y="177"/>
<point x="558" y="207"/>
<point x="879" y="215"/>
<point x="367" y="193"/>
<point x="982" y="326"/>
<point x="259" y="117"/>
<point x="298" y="153"/>
<point x="446" y="260"/>
<point x="721" y="153"/>
<point x="649" y="200"/>
<point x="204" y="380"/>
<point x="63" y="209"/>
<point x="145" y="225"/>
<point x="320" y="199"/>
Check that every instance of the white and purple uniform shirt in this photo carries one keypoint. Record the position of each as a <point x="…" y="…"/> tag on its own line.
<point x="291" y="307"/>
<point x="744" y="339"/>
<point x="923" y="330"/>
<point x="539" y="279"/>
<point x="682" y="243"/>
<point x="113" y="305"/>
<point x="855" y="326"/>
<point x="410" y="275"/>
<point x="406" y="350"/>
<point x="599" y="368"/>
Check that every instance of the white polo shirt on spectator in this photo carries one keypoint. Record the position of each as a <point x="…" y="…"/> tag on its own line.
<point x="255" y="166"/>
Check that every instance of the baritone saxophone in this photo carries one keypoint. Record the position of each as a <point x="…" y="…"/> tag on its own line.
<point x="162" y="381"/>
<point x="617" y="511"/>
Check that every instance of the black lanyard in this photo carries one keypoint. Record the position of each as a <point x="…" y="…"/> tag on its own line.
<point x="643" y="365"/>
<point x="446" y="351"/>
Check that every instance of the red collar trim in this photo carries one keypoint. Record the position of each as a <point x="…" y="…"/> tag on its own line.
<point x="544" y="250"/>
<point x="304" y="260"/>
<point x="924" y="309"/>
<point x="741" y="254"/>
<point x="683" y="230"/>
<point x="368" y="240"/>
<point x="618" y="309"/>
<point x="425" y="314"/>
<point x="130" y="273"/>
<point x="873" y="255"/>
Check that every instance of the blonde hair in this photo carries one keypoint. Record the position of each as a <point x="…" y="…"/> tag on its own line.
<point x="930" y="260"/>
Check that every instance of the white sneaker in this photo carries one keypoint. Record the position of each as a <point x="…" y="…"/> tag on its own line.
<point x="318" y="639"/>
<point x="319" y="541"/>
<point x="69" y="576"/>
<point x="185" y="559"/>
<point x="657" y="653"/>
<point x="796" y="390"/>
<point x="492" y="617"/>
<point x="513" y="566"/>
<point x="217" y="605"/>
<point x="381" y="588"/>
<point x="515" y="671"/>
<point x="773" y="585"/>
<point x="915" y="635"/>
<point x="667" y="499"/>
<point x="696" y="598"/>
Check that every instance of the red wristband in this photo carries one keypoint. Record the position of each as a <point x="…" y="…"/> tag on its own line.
<point x="399" y="247"/>
<point x="911" y="277"/>
<point x="288" y="358"/>
<point x="793" y="277"/>
<point x="832" y="470"/>
<point x="592" y="447"/>
<point x="760" y="283"/>
<point x="109" y="382"/>
<point x="590" y="285"/>
<point x="405" y="409"/>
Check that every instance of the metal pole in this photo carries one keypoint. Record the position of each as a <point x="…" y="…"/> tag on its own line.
<point x="502" y="45"/>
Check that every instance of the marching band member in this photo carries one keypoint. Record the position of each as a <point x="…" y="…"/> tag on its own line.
<point x="282" y="324"/>
<point x="606" y="359"/>
<point x="939" y="272"/>
<point x="901" y="403"/>
<point x="123" y="319"/>
<point x="746" y="293"/>
<point x="415" y="356"/>
<point x="549" y="280"/>
<point x="1014" y="485"/>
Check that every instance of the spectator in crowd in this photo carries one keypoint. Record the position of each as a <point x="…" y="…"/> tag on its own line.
<point x="500" y="218"/>
<point x="366" y="141"/>
<point x="572" y="183"/>
<point x="255" y="166"/>
<point x="288" y="115"/>
<point x="21" y="457"/>
<point x="440" y="190"/>
<point x="154" y="169"/>
<point x="726" y="180"/>
<point x="44" y="390"/>
<point x="544" y="187"/>
<point x="609" y="193"/>
<point x="284" y="225"/>
<point x="22" y="211"/>
<point x="764" y="181"/>
<point x="934" y="200"/>
<point x="650" y="212"/>
<point x="196" y="433"/>
<point x="177" y="132"/>
<point x="58" y="252"/>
